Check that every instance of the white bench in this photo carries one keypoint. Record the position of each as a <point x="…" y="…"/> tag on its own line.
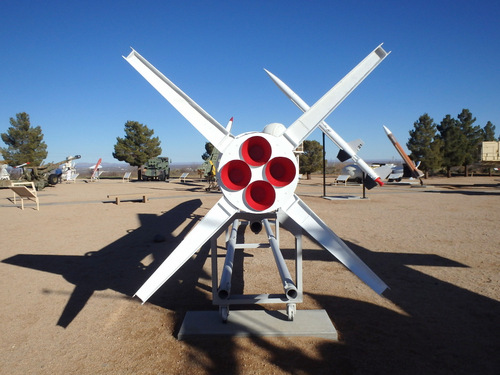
<point x="126" y="177"/>
<point x="24" y="192"/>
<point x="342" y="179"/>
<point x="183" y="177"/>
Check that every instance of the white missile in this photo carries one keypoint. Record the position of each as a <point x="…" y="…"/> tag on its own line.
<point x="257" y="173"/>
<point x="346" y="149"/>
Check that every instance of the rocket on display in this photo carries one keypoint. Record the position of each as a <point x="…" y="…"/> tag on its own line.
<point x="415" y="172"/>
<point x="258" y="172"/>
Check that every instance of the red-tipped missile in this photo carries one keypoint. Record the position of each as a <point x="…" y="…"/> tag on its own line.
<point x="21" y="165"/>
<point x="347" y="151"/>
<point x="415" y="172"/>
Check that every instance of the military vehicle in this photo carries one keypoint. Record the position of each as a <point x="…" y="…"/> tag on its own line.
<point x="47" y="174"/>
<point x="156" y="169"/>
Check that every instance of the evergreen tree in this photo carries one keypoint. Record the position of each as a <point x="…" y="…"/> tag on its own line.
<point x="137" y="146"/>
<point x="424" y="145"/>
<point x="489" y="132"/>
<point x="24" y="142"/>
<point x="312" y="158"/>
<point x="453" y="143"/>
<point x="473" y="138"/>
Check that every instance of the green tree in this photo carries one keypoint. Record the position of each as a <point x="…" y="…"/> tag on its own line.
<point x="424" y="144"/>
<point x="489" y="132"/>
<point x="453" y="143"/>
<point x="24" y="142"/>
<point x="473" y="138"/>
<point x="312" y="158"/>
<point x="137" y="146"/>
<point x="208" y="150"/>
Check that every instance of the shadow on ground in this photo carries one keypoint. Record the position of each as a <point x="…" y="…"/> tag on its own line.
<point x="445" y="329"/>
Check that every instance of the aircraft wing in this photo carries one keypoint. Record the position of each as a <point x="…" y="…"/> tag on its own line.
<point x="214" y="132"/>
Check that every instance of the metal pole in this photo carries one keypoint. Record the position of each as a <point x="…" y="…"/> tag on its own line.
<point x="364" y="187"/>
<point x="286" y="278"/>
<point x="227" y="272"/>
<point x="324" y="167"/>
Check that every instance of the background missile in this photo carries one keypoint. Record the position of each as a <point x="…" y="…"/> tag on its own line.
<point x="416" y="173"/>
<point x="346" y="151"/>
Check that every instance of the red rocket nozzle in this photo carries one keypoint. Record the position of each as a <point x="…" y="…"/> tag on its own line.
<point x="280" y="171"/>
<point x="235" y="175"/>
<point x="256" y="151"/>
<point x="260" y="195"/>
<point x="379" y="181"/>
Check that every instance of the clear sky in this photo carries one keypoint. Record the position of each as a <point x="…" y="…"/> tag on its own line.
<point x="62" y="64"/>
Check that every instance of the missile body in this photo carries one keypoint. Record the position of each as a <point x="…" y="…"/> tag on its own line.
<point x="258" y="174"/>
<point x="416" y="173"/>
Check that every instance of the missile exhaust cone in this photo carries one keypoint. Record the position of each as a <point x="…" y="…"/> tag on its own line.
<point x="256" y="227"/>
<point x="280" y="171"/>
<point x="235" y="175"/>
<point x="256" y="151"/>
<point x="260" y="195"/>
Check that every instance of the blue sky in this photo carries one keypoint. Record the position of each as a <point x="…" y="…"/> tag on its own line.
<point x="62" y="64"/>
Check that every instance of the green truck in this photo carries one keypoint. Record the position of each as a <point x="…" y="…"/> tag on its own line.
<point x="156" y="169"/>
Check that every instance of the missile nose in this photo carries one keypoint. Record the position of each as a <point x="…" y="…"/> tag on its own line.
<point x="387" y="131"/>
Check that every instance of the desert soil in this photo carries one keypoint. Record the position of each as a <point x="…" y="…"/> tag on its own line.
<point x="68" y="273"/>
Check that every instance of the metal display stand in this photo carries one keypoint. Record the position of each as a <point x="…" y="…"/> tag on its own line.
<point x="292" y="291"/>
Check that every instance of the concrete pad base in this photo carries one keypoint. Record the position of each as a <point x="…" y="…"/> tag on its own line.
<point x="342" y="197"/>
<point x="244" y="323"/>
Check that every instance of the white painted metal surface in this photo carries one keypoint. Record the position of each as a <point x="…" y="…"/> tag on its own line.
<point x="330" y="133"/>
<point x="257" y="173"/>
<point x="218" y="215"/>
<point x="305" y="124"/>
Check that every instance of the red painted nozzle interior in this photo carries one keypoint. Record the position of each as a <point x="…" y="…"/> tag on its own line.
<point x="280" y="171"/>
<point x="235" y="175"/>
<point x="260" y="195"/>
<point x="256" y="151"/>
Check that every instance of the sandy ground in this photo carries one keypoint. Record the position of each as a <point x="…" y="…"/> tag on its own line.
<point x="68" y="272"/>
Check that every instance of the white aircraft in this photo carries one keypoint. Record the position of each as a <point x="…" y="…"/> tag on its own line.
<point x="258" y="173"/>
<point x="356" y="173"/>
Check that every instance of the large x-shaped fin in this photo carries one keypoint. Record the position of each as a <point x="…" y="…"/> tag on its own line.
<point x="303" y="216"/>
<point x="219" y="215"/>
<point x="214" y="132"/>
<point x="305" y="124"/>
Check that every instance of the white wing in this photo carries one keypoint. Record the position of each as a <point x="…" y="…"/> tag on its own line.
<point x="305" y="124"/>
<point x="214" y="132"/>
<point x="303" y="216"/>
<point x="218" y="215"/>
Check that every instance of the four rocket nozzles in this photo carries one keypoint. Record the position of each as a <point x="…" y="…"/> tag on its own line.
<point x="259" y="194"/>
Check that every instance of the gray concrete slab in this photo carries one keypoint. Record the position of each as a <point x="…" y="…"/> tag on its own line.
<point x="342" y="197"/>
<point x="244" y="323"/>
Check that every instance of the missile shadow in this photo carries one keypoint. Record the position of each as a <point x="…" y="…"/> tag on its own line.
<point x="442" y="328"/>
<point x="119" y="266"/>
